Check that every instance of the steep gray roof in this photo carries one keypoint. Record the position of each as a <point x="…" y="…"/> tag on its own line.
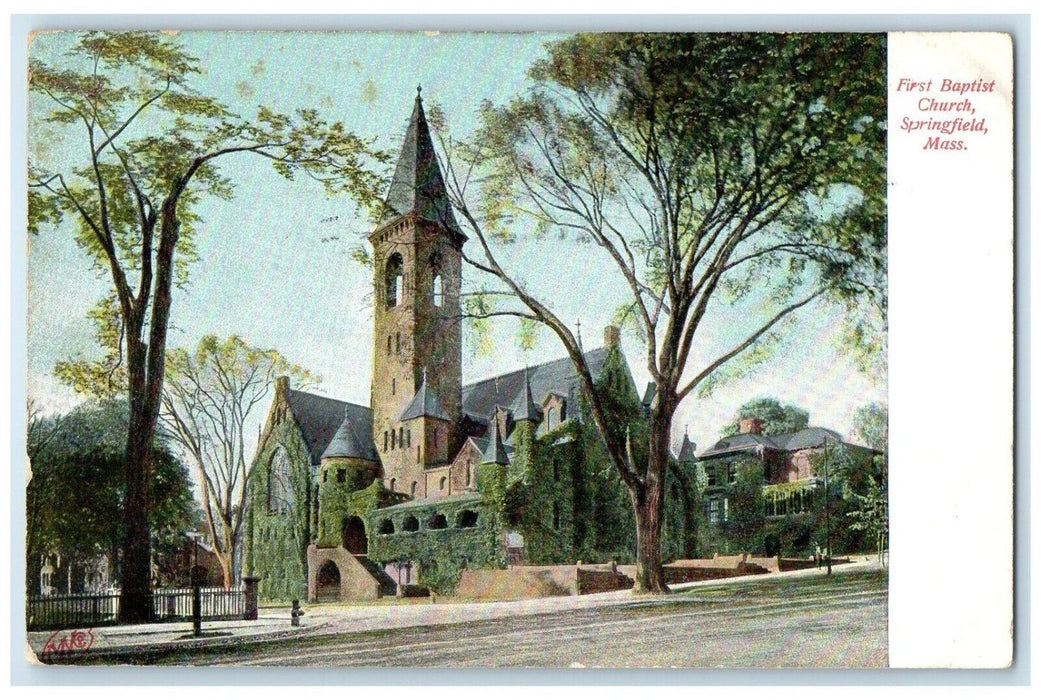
<point x="417" y="185"/>
<point x="686" y="450"/>
<point x="319" y="418"/>
<point x="494" y="452"/>
<point x="555" y="376"/>
<point x="424" y="403"/>
<point x="526" y="408"/>
<point x="346" y="443"/>
<point x="799" y="440"/>
<point x="648" y="393"/>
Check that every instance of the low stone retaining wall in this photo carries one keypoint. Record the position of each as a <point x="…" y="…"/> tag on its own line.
<point x="718" y="567"/>
<point x="522" y="582"/>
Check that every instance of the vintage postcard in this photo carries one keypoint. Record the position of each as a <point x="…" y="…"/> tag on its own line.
<point x="538" y="350"/>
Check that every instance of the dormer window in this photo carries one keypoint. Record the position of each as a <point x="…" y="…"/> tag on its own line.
<point x="551" y="418"/>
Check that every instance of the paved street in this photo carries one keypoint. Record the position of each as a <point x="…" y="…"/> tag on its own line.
<point x="806" y="621"/>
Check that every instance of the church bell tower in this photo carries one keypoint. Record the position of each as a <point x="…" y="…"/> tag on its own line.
<point x="417" y="348"/>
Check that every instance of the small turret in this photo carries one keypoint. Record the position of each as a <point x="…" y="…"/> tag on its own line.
<point x="495" y="452"/>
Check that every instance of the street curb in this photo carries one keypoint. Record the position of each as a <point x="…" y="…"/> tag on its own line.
<point x="167" y="647"/>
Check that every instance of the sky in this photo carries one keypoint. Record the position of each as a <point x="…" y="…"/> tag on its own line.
<point x="273" y="262"/>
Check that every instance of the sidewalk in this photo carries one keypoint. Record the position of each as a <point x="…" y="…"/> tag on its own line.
<point x="274" y="623"/>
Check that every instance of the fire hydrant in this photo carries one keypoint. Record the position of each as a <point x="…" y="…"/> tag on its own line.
<point x="296" y="613"/>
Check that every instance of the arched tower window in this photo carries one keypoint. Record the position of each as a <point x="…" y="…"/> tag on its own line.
<point x="393" y="279"/>
<point x="469" y="472"/>
<point x="439" y="291"/>
<point x="393" y="483"/>
<point x="279" y="489"/>
<point x="415" y="488"/>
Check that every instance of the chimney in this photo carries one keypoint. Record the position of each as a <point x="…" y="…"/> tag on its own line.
<point x="281" y="386"/>
<point x="750" y="425"/>
<point x="611" y="336"/>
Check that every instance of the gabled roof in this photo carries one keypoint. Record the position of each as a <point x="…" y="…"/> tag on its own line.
<point x="319" y="418"/>
<point x="556" y="376"/>
<point x="481" y="443"/>
<point x="424" y="403"/>
<point x="789" y="442"/>
<point x="417" y="185"/>
<point x="346" y="443"/>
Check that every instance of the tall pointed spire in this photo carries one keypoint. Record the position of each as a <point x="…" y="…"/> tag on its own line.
<point x="417" y="186"/>
<point x="527" y="408"/>
<point x="494" y="453"/>
<point x="686" y="448"/>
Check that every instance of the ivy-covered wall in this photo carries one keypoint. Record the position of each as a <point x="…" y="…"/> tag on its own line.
<point x="560" y="492"/>
<point x="277" y="534"/>
<point x="569" y="503"/>
<point x="353" y="496"/>
<point x="752" y="527"/>
<point x="443" y="548"/>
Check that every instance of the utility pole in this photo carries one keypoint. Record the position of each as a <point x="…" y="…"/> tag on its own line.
<point x="827" y="510"/>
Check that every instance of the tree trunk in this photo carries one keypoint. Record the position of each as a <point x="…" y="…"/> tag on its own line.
<point x="136" y="565"/>
<point x="225" y="568"/>
<point x="649" y="575"/>
<point x="649" y="508"/>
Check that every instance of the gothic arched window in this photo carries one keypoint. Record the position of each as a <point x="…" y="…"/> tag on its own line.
<point x="393" y="280"/>
<point x="279" y="489"/>
<point x="439" y="291"/>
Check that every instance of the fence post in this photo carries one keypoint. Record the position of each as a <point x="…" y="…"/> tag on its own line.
<point x="196" y="610"/>
<point x="250" y="595"/>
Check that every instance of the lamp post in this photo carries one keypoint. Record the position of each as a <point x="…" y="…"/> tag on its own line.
<point x="827" y="510"/>
<point x="196" y="591"/>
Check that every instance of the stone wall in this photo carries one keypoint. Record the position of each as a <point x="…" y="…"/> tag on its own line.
<point x="276" y="541"/>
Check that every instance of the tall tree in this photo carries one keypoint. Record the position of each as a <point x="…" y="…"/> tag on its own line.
<point x="774" y="417"/>
<point x="712" y="169"/>
<point x="142" y="149"/>
<point x="75" y="495"/>
<point x="208" y="396"/>
<point x="871" y="425"/>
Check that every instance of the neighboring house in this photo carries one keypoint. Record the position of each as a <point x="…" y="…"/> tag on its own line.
<point x="60" y="575"/>
<point x="175" y="570"/>
<point x="788" y="471"/>
<point x="349" y="501"/>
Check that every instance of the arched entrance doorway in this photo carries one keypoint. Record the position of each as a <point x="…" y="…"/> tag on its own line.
<point x="328" y="583"/>
<point x="353" y="535"/>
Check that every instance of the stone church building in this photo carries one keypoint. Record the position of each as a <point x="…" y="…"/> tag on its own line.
<point x="355" y="502"/>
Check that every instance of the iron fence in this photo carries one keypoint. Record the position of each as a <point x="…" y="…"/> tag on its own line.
<point x="173" y="604"/>
<point x="100" y="609"/>
<point x="53" y="612"/>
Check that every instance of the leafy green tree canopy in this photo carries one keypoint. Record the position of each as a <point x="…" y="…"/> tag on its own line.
<point x="140" y="148"/>
<point x="208" y="397"/>
<point x="74" y="499"/>
<point x="775" y="417"/>
<point x="871" y="425"/>
<point x="711" y="170"/>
